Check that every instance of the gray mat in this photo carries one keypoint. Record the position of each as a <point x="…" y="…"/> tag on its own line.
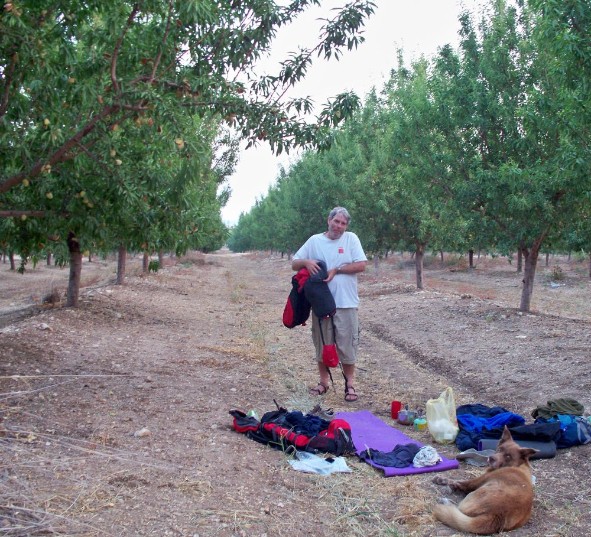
<point x="546" y="450"/>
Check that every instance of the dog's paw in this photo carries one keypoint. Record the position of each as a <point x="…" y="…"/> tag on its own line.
<point x="438" y="480"/>
<point x="445" y="501"/>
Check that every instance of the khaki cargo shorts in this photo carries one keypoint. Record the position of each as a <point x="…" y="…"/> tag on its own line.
<point x="346" y="322"/>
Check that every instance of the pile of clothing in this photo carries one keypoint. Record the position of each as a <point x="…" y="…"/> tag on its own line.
<point x="558" y="424"/>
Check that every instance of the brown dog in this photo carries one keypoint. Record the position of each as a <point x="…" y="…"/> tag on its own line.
<point x="500" y="499"/>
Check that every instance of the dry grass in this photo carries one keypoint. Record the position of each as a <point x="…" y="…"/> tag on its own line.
<point x="40" y="495"/>
<point x="59" y="481"/>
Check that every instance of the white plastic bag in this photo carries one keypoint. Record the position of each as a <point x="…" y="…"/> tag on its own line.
<point x="441" y="417"/>
<point x="313" y="464"/>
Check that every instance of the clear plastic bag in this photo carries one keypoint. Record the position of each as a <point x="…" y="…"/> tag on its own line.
<point x="441" y="417"/>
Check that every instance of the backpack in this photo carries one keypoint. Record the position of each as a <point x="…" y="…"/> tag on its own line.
<point x="297" y="308"/>
<point x="283" y="430"/>
<point x="318" y="294"/>
<point x="574" y="430"/>
<point x="311" y="292"/>
<point x="308" y="293"/>
<point x="324" y="307"/>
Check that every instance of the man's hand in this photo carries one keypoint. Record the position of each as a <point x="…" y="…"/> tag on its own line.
<point x="331" y="274"/>
<point x="310" y="264"/>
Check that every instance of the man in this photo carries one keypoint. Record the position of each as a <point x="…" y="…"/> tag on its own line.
<point x="343" y="254"/>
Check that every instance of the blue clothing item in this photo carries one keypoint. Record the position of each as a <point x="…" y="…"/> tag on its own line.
<point x="480" y="410"/>
<point x="309" y="425"/>
<point x="478" y="421"/>
<point x="476" y="424"/>
<point x="400" y="457"/>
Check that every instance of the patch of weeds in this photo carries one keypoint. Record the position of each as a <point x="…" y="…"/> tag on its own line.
<point x="192" y="259"/>
<point x="457" y="261"/>
<point x="403" y="264"/>
<point x="580" y="256"/>
<point x="258" y="337"/>
<point x="52" y="298"/>
<point x="236" y="290"/>
<point x="557" y="274"/>
<point x="237" y="294"/>
<point x="154" y="266"/>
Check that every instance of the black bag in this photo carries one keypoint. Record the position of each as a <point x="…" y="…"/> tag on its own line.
<point x="324" y="307"/>
<point x="318" y="293"/>
<point x="281" y="429"/>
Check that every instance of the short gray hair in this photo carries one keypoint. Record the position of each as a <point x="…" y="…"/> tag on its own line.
<point x="339" y="210"/>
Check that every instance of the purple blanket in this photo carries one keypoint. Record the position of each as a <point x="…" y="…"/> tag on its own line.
<point x="369" y="431"/>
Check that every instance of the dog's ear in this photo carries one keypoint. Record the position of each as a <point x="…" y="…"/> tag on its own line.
<point x="526" y="453"/>
<point x="506" y="436"/>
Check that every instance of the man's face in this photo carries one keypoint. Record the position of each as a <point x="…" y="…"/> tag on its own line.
<point x="337" y="226"/>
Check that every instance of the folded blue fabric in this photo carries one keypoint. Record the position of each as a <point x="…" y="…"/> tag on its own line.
<point x="476" y="424"/>
<point x="477" y="421"/>
<point x="480" y="410"/>
<point x="400" y="457"/>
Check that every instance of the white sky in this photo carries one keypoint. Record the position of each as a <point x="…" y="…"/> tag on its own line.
<point x="419" y="27"/>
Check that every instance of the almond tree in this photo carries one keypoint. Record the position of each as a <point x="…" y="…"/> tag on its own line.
<point x="562" y="36"/>
<point x="519" y="172"/>
<point x="415" y="163"/>
<point x="78" y="77"/>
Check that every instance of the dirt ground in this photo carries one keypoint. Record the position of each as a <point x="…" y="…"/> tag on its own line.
<point x="115" y="414"/>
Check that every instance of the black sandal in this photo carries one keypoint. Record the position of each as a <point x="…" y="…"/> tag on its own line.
<point x="350" y="394"/>
<point x="321" y="389"/>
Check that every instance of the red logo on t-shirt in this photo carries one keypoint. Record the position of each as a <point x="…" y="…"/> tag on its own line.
<point x="341" y="250"/>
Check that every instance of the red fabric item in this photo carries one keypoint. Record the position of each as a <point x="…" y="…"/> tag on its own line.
<point x="298" y="440"/>
<point x="302" y="277"/>
<point x="297" y="308"/>
<point x="330" y="357"/>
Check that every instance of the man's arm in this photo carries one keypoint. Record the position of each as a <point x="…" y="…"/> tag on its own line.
<point x="352" y="268"/>
<point x="310" y="264"/>
<point x="349" y="268"/>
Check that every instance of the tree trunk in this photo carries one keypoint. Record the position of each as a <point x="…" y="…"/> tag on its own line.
<point x="589" y="265"/>
<point x="121" y="259"/>
<point x="11" y="259"/>
<point x="49" y="259"/>
<point x="471" y="258"/>
<point x="145" y="263"/>
<point x="547" y="258"/>
<point x="75" y="271"/>
<point x="441" y="255"/>
<point x="531" y="261"/>
<point x="160" y="258"/>
<point x="520" y="259"/>
<point x="419" y="256"/>
<point x="376" y="263"/>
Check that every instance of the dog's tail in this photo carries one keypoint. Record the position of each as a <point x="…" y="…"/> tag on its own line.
<point x="451" y="516"/>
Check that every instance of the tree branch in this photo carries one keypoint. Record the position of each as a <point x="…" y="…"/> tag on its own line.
<point x="18" y="214"/>
<point x="117" y="49"/>
<point x="61" y="154"/>
<point x="158" y="57"/>
<point x="8" y="75"/>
